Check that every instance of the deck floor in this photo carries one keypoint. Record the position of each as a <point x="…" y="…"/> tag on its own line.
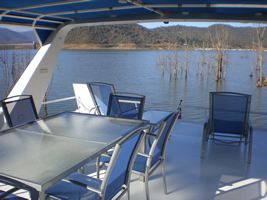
<point x="222" y="174"/>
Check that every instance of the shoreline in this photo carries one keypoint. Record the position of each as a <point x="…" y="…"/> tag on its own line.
<point x="131" y="47"/>
<point x="112" y="47"/>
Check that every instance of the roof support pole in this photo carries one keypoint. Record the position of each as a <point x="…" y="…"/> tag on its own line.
<point x="36" y="77"/>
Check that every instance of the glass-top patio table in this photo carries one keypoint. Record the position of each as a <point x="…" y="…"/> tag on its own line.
<point x="41" y="153"/>
<point x="155" y="117"/>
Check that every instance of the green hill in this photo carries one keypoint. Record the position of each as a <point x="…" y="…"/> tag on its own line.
<point x="137" y="36"/>
<point x="112" y="35"/>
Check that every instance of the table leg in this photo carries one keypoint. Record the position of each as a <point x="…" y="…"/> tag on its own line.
<point x="41" y="195"/>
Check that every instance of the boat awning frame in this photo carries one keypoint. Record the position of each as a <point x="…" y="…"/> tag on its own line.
<point x="51" y="20"/>
<point x="46" y="16"/>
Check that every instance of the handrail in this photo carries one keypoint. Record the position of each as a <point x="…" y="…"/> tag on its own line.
<point x="58" y="100"/>
<point x="199" y="107"/>
<point x="2" y="122"/>
<point x="161" y="104"/>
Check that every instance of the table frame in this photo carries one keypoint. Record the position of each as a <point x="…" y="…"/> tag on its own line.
<point x="41" y="188"/>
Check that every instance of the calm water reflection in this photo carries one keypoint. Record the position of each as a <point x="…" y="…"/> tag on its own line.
<point x="136" y="71"/>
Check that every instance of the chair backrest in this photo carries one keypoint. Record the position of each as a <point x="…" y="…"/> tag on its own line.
<point x="19" y="110"/>
<point x="120" y="166"/>
<point x="159" y="144"/>
<point x="84" y="99"/>
<point x="229" y="112"/>
<point x="101" y="93"/>
<point x="126" y="105"/>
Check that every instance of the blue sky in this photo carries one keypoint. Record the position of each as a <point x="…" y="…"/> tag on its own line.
<point x="195" y="24"/>
<point x="157" y="24"/>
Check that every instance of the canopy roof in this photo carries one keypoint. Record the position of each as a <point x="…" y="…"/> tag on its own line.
<point x="45" y="16"/>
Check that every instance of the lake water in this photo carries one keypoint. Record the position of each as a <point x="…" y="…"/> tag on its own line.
<point x="136" y="71"/>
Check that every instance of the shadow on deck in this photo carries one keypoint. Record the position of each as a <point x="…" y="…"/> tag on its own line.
<point x="222" y="174"/>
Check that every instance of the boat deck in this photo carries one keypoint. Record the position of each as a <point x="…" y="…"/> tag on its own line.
<point x="222" y="174"/>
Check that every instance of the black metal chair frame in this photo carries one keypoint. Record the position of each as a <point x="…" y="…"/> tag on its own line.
<point x="140" y="115"/>
<point x="17" y="98"/>
<point x="89" y="84"/>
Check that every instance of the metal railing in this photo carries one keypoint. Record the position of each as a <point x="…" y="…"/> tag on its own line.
<point x="189" y="112"/>
<point x="58" y="100"/>
<point x="163" y="106"/>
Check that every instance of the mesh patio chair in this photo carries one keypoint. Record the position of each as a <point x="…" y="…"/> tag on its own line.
<point x="101" y="93"/>
<point x="84" y="99"/>
<point x="147" y="163"/>
<point x="16" y="185"/>
<point x="116" y="180"/>
<point x="19" y="110"/>
<point x="126" y="105"/>
<point x="228" y="122"/>
<point x="92" y="97"/>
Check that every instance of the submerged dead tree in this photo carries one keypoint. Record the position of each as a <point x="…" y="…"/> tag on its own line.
<point x="260" y="29"/>
<point x="13" y="64"/>
<point x="4" y="57"/>
<point x="162" y="62"/>
<point x="253" y="51"/>
<point x="220" y="45"/>
<point x="186" y="52"/>
<point x="170" y="61"/>
<point x="175" y="62"/>
<point x="203" y="53"/>
<point x="20" y="60"/>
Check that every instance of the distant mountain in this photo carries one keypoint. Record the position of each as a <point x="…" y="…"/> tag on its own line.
<point x="112" y="35"/>
<point x="12" y="37"/>
<point x="137" y="36"/>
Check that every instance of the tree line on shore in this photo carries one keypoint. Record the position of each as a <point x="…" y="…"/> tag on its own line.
<point x="160" y="38"/>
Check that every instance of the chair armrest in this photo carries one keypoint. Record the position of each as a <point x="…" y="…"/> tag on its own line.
<point x="151" y="134"/>
<point x="88" y="187"/>
<point x="106" y="155"/>
<point x="143" y="154"/>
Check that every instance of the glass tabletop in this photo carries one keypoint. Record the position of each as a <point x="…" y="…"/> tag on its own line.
<point x="94" y="128"/>
<point x="45" y="151"/>
<point x="155" y="116"/>
<point x="38" y="158"/>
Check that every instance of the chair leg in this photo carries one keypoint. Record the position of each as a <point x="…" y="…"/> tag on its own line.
<point x="246" y="139"/>
<point x="34" y="194"/>
<point x="81" y="170"/>
<point x="164" y="177"/>
<point x="250" y="145"/>
<point x="97" y="167"/>
<point x="204" y="140"/>
<point x="146" y="185"/>
<point x="128" y="194"/>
